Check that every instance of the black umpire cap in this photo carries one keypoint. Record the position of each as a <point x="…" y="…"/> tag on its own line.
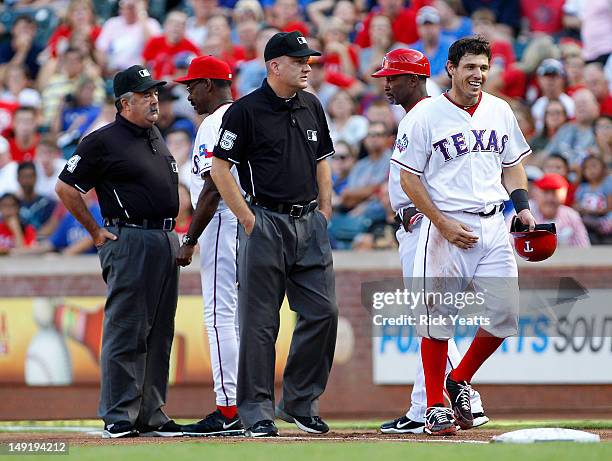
<point x="288" y="44"/>
<point x="135" y="79"/>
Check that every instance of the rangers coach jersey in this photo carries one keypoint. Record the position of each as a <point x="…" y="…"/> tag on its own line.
<point x="461" y="156"/>
<point x="201" y="160"/>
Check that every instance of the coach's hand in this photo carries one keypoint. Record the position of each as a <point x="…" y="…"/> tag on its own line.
<point x="185" y="253"/>
<point x="527" y="218"/>
<point x="457" y="233"/>
<point x="102" y="235"/>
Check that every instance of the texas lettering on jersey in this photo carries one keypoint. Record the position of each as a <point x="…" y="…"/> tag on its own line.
<point x="456" y="144"/>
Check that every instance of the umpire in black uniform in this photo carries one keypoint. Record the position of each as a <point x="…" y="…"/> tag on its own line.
<point x="136" y="179"/>
<point x="278" y="138"/>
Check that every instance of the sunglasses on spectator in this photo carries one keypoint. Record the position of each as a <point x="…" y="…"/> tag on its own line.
<point x="377" y="134"/>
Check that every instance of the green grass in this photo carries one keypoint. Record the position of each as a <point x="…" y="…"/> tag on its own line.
<point x="334" y="451"/>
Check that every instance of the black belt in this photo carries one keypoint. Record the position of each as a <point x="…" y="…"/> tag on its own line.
<point x="295" y="210"/>
<point x="166" y="224"/>
<point x="496" y="209"/>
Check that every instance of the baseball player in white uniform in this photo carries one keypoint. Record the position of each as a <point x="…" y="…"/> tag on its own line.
<point x="462" y="156"/>
<point x="215" y="228"/>
<point x="406" y="72"/>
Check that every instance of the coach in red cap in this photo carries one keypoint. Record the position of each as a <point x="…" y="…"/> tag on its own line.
<point x="206" y="67"/>
<point x="208" y="83"/>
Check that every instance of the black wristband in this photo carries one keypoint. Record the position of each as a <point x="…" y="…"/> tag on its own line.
<point x="520" y="200"/>
<point x="189" y="240"/>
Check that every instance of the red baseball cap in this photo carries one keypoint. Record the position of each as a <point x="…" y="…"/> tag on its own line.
<point x="551" y="181"/>
<point x="206" y="67"/>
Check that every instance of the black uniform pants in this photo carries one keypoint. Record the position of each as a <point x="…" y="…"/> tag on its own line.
<point x="292" y="255"/>
<point x="140" y="271"/>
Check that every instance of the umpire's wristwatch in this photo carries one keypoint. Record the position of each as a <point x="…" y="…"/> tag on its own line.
<point x="189" y="240"/>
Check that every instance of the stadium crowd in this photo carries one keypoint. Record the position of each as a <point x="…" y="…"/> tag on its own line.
<point x="551" y="62"/>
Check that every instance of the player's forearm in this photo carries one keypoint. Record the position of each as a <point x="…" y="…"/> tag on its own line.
<point x="514" y="178"/>
<point x="208" y="201"/>
<point x="229" y="190"/>
<point x="74" y="203"/>
<point x="414" y="188"/>
<point x="324" y="184"/>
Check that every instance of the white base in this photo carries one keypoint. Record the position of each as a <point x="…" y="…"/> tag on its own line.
<point x="549" y="434"/>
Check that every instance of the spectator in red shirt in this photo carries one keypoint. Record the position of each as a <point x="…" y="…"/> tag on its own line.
<point x="340" y="55"/>
<point x="159" y="51"/>
<point x="573" y="62"/>
<point x="80" y="16"/>
<point x="544" y="16"/>
<point x="403" y="23"/>
<point x="595" y="80"/>
<point x="247" y="37"/>
<point x="219" y="42"/>
<point x="285" y="16"/>
<point x="484" y="23"/>
<point x="370" y="58"/>
<point x="25" y="137"/>
<point x="13" y="232"/>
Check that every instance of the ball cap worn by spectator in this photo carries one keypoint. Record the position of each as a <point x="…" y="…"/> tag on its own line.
<point x="207" y="67"/>
<point x="551" y="181"/>
<point x="404" y="61"/>
<point x="428" y="15"/>
<point x="551" y="66"/>
<point x="288" y="44"/>
<point x="136" y="79"/>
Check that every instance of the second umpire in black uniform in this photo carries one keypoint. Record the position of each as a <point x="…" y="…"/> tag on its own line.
<point x="136" y="179"/>
<point x="278" y="137"/>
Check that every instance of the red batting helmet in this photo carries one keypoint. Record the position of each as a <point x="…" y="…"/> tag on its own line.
<point x="536" y="245"/>
<point x="404" y="61"/>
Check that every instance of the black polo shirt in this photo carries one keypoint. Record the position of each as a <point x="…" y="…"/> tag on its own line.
<point x="134" y="174"/>
<point x="276" y="144"/>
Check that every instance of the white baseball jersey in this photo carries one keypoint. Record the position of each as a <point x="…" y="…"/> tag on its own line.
<point x="461" y="156"/>
<point x="201" y="159"/>
<point x="397" y="196"/>
<point x="218" y="246"/>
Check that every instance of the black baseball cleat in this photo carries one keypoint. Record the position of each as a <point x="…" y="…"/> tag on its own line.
<point x="459" y="397"/>
<point x="215" y="424"/>
<point x="403" y="425"/>
<point x="118" y="430"/>
<point x="480" y="419"/>
<point x="439" y="421"/>
<point x="168" y="429"/>
<point x="264" y="428"/>
<point x="310" y="424"/>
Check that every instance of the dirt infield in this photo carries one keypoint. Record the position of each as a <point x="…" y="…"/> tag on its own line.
<point x="475" y="436"/>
